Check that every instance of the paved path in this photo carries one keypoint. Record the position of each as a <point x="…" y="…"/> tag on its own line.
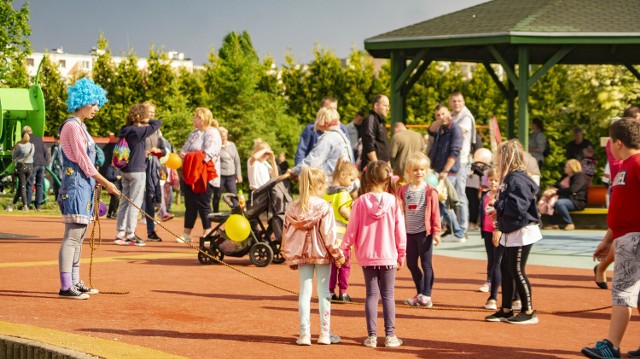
<point x="558" y="248"/>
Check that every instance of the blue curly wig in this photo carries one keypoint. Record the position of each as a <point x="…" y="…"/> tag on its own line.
<point x="85" y="92"/>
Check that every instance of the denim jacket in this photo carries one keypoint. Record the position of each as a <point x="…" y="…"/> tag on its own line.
<point x="331" y="145"/>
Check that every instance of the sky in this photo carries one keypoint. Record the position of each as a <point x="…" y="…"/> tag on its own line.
<point x="194" y="27"/>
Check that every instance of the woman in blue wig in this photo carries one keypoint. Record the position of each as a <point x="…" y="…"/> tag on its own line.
<point x="79" y="178"/>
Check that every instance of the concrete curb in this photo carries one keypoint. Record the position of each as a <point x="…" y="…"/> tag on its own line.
<point x="18" y="348"/>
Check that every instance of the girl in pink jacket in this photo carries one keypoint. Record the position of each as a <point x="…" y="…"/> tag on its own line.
<point x="309" y="245"/>
<point x="376" y="230"/>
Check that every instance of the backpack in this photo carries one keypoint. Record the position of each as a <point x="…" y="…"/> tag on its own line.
<point x="121" y="153"/>
<point x="99" y="156"/>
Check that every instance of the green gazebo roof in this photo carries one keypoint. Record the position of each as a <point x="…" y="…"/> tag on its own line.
<point x="603" y="32"/>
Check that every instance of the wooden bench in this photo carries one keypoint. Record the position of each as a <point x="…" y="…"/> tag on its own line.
<point x="595" y="215"/>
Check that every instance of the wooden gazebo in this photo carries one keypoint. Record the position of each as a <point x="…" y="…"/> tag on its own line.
<point x="510" y="33"/>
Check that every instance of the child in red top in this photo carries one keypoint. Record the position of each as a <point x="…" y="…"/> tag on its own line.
<point x="624" y="233"/>
<point x="422" y="222"/>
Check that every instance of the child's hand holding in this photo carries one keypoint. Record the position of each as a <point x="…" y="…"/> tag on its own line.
<point x="340" y="262"/>
<point x="496" y="238"/>
<point x="436" y="240"/>
<point x="400" y="265"/>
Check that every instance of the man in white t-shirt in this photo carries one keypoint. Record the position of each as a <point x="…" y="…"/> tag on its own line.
<point x="463" y="117"/>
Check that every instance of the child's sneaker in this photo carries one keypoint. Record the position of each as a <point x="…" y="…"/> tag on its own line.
<point x="499" y="316"/>
<point x="135" y="241"/>
<point x="371" y="341"/>
<point x="491" y="304"/>
<point x="84" y="289"/>
<point x="73" y="293"/>
<point x="392" y="341"/>
<point x="345" y="298"/>
<point x="120" y="241"/>
<point x="425" y="301"/>
<point x="414" y="302"/>
<point x="328" y="339"/>
<point x="153" y="237"/>
<point x="603" y="349"/>
<point x="516" y="305"/>
<point x="304" y="339"/>
<point x="166" y="217"/>
<point x="485" y="288"/>
<point x="335" y="298"/>
<point x="10" y="208"/>
<point x="524" y="318"/>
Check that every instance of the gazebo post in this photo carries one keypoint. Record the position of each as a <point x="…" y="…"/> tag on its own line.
<point x="397" y="99"/>
<point x="511" y="109"/>
<point x="523" y="96"/>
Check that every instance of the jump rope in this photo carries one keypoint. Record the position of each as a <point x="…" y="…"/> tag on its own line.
<point x="95" y="247"/>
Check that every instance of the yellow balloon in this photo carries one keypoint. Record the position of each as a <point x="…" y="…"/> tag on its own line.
<point x="174" y="161"/>
<point x="237" y="228"/>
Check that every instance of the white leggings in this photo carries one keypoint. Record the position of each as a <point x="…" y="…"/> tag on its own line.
<point x="323" y="272"/>
<point x="71" y="247"/>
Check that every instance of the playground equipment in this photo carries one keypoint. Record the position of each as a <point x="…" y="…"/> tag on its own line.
<point x="19" y="107"/>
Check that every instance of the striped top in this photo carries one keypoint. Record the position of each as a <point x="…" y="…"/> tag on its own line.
<point x="414" y="207"/>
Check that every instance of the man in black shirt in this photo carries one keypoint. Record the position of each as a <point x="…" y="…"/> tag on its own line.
<point x="375" y="146"/>
<point x="575" y="147"/>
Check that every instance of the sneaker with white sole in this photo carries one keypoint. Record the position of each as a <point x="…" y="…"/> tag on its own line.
<point x="304" y="339"/>
<point x="603" y="349"/>
<point x="328" y="339"/>
<point x="84" y="289"/>
<point x="491" y="304"/>
<point x="485" y="288"/>
<point x="184" y="238"/>
<point x="516" y="305"/>
<point x="499" y="316"/>
<point x="135" y="241"/>
<point x="524" y="318"/>
<point x="392" y="341"/>
<point x="454" y="239"/>
<point x="371" y="341"/>
<point x="73" y="293"/>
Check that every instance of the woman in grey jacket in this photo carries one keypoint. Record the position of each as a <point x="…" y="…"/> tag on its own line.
<point x="230" y="171"/>
<point x="23" y="157"/>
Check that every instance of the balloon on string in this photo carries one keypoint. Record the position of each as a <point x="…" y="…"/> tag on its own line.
<point x="237" y="228"/>
<point x="432" y="179"/>
<point x="102" y="210"/>
<point x="164" y="158"/>
<point x="174" y="161"/>
<point x="46" y="185"/>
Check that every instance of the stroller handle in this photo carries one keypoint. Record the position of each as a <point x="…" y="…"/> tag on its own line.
<point x="226" y="197"/>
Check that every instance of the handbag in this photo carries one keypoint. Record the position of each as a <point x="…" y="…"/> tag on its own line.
<point x="21" y="167"/>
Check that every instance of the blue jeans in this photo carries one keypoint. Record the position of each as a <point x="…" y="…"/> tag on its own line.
<point x="306" y="289"/>
<point x="37" y="178"/>
<point x="460" y="183"/>
<point x="449" y="217"/>
<point x="562" y="208"/>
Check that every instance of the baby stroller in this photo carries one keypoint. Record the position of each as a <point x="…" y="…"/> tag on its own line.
<point x="263" y="243"/>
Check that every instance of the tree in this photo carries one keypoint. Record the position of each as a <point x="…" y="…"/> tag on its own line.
<point x="129" y="89"/>
<point x="159" y="78"/>
<point x="104" y="74"/>
<point x="357" y="85"/>
<point x="55" y="95"/>
<point x="191" y="86"/>
<point x="14" y="44"/>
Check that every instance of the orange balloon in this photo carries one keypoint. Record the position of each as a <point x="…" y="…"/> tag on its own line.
<point x="174" y="161"/>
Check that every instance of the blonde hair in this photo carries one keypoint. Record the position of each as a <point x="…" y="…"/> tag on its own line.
<point x="415" y="160"/>
<point x="511" y="158"/>
<point x="312" y="182"/>
<point x="325" y="118"/>
<point x="223" y="131"/>
<point x="344" y="167"/>
<point x="25" y="135"/>
<point x="492" y="173"/>
<point x="259" y="144"/>
<point x="575" y="165"/>
<point x="206" y="116"/>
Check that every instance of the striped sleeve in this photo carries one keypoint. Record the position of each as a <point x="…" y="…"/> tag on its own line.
<point x="74" y="146"/>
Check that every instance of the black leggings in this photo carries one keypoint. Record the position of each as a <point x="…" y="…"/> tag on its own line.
<point x="494" y="256"/>
<point x="513" y="266"/>
<point x="420" y="246"/>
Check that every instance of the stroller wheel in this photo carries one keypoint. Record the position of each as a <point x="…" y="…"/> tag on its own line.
<point x="277" y="255"/>
<point x="261" y="254"/>
<point x="204" y="259"/>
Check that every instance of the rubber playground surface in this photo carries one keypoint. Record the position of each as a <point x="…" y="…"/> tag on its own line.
<point x="177" y="307"/>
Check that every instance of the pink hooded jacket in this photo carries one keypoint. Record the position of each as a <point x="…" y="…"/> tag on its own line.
<point x="310" y="238"/>
<point x="376" y="230"/>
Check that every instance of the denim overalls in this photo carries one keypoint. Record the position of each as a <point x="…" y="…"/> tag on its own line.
<point x="76" y="189"/>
